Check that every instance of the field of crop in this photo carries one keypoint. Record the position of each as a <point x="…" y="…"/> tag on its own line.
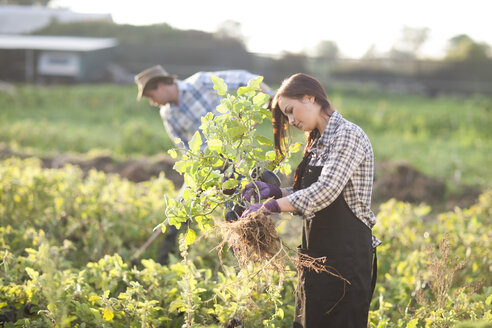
<point x="447" y="137"/>
<point x="67" y="240"/>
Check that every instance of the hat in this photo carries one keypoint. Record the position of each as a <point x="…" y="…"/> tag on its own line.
<point x="144" y="77"/>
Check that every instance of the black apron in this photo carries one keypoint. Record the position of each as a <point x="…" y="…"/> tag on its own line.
<point x="322" y="300"/>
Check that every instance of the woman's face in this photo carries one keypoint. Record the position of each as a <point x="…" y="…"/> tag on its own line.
<point x="303" y="113"/>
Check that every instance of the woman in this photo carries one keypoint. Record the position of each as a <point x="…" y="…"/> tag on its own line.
<point x="332" y="191"/>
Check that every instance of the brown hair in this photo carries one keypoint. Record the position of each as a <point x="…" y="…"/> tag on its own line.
<point x="153" y="83"/>
<point x="296" y="86"/>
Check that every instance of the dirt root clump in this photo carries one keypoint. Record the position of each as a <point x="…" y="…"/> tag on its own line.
<point x="253" y="238"/>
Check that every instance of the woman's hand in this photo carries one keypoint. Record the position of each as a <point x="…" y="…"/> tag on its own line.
<point x="270" y="207"/>
<point x="266" y="190"/>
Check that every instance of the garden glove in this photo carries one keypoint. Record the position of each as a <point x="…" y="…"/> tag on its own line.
<point x="266" y="191"/>
<point x="270" y="207"/>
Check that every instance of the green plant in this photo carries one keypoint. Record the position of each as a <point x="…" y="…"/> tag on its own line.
<point x="231" y="149"/>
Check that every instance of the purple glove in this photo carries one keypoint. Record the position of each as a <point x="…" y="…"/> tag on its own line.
<point x="266" y="191"/>
<point x="271" y="206"/>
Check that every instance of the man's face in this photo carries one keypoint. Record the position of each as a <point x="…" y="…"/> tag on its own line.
<point x="162" y="95"/>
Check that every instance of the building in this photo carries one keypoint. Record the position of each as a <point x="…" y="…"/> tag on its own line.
<point x="27" y="19"/>
<point x="29" y="58"/>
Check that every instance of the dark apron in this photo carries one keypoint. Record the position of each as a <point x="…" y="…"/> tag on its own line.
<point x="323" y="300"/>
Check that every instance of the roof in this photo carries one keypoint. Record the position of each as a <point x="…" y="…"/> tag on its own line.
<point x="61" y="43"/>
<point x="27" y="19"/>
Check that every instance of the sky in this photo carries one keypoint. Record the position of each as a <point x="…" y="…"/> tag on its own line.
<point x="276" y="26"/>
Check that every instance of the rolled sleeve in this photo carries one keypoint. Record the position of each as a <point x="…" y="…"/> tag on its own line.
<point x="343" y="157"/>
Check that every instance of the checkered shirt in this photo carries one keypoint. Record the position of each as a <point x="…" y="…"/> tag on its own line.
<point x="197" y="97"/>
<point x="345" y="153"/>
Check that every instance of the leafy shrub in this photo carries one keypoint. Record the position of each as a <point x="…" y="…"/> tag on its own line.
<point x="50" y="278"/>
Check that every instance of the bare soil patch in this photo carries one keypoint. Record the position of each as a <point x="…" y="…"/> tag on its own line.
<point x="392" y="179"/>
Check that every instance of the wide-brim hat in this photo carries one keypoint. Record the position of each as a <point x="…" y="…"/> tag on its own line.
<point x="144" y="77"/>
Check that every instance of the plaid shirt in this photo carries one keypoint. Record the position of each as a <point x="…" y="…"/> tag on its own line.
<point x="197" y="97"/>
<point x="345" y="153"/>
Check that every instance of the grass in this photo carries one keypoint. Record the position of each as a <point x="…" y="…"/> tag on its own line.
<point x="446" y="137"/>
<point x="80" y="119"/>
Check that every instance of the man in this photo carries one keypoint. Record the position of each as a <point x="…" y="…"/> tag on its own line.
<point x="182" y="104"/>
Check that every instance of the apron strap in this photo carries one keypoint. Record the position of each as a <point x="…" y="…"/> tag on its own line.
<point x="374" y="273"/>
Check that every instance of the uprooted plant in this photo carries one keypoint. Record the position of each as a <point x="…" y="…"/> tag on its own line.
<point x="226" y="154"/>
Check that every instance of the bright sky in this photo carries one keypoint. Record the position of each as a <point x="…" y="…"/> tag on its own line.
<point x="273" y="26"/>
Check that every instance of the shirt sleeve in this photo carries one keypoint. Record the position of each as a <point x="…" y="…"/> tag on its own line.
<point x="345" y="153"/>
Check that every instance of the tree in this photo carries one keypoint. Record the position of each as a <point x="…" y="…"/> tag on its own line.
<point x="327" y="50"/>
<point x="25" y="2"/>
<point x="230" y="29"/>
<point x="462" y="47"/>
<point x="371" y="53"/>
<point x="411" y="41"/>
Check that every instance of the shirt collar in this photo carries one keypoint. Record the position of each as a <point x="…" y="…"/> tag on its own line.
<point x="182" y="88"/>
<point x="333" y="124"/>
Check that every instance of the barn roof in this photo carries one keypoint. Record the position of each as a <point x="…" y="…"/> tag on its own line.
<point x="60" y="43"/>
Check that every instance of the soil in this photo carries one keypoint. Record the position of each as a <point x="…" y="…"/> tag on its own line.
<point x="136" y="170"/>
<point x="392" y="180"/>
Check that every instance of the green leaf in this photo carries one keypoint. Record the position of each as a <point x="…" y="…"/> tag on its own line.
<point x="260" y="99"/>
<point x="190" y="237"/>
<point x="108" y="314"/>
<point x="255" y="83"/>
<point x="236" y="132"/>
<point x="286" y="169"/>
<point x="219" y="85"/>
<point x="229" y="184"/>
<point x="413" y="323"/>
<point x="195" y="142"/>
<point x="206" y="121"/>
<point x="215" y="144"/>
<point x="488" y="301"/>
<point x="172" y="153"/>
<point x="177" y="305"/>
<point x="248" y="91"/>
<point x="181" y="166"/>
<point x="294" y="148"/>
<point x="174" y="221"/>
<point x="264" y="140"/>
<point x="241" y="107"/>
<point x="94" y="299"/>
<point x="190" y="181"/>
<point x="33" y="274"/>
<point x="257" y="117"/>
<point x="270" y="155"/>
<point x="280" y="313"/>
<point x="222" y="108"/>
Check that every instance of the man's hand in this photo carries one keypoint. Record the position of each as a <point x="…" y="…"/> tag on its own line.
<point x="266" y="190"/>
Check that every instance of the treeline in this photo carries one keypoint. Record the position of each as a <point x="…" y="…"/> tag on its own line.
<point x="181" y="52"/>
<point x="184" y="52"/>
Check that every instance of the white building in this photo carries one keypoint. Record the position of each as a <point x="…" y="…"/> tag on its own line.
<point x="27" y="19"/>
<point x="30" y="58"/>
